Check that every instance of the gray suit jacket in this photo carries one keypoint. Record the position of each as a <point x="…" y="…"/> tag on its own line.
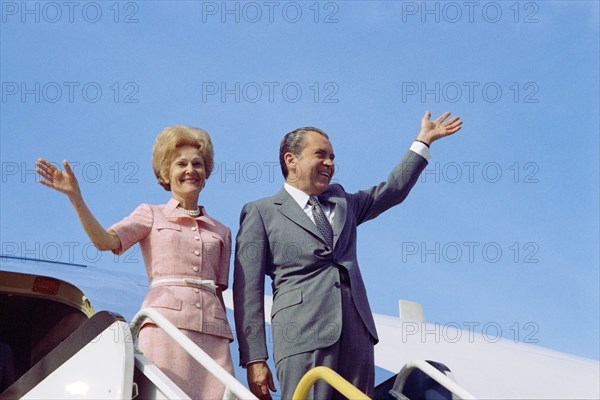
<point x="278" y="239"/>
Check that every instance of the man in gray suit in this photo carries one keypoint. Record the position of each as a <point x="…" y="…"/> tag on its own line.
<point x="304" y="238"/>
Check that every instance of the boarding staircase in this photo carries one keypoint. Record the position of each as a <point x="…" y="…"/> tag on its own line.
<point x="66" y="350"/>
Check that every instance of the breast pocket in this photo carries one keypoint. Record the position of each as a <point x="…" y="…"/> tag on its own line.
<point x="165" y="242"/>
<point x="167" y="227"/>
<point x="212" y="248"/>
<point x="168" y="233"/>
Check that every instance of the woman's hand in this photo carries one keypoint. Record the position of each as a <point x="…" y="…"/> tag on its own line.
<point x="63" y="181"/>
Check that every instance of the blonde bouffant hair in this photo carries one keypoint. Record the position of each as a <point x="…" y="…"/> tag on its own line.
<point x="165" y="148"/>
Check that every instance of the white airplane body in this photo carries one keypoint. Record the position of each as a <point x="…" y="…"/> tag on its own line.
<point x="486" y="367"/>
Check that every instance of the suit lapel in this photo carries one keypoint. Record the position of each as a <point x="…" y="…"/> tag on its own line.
<point x="340" y="211"/>
<point x="291" y="210"/>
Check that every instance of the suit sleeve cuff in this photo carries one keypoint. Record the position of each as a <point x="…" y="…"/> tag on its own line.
<point x="254" y="361"/>
<point x="421" y="150"/>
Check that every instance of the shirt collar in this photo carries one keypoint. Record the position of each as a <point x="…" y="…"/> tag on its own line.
<point x="298" y="195"/>
<point x="171" y="205"/>
<point x="171" y="211"/>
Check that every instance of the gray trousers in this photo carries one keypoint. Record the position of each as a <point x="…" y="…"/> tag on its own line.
<point x="351" y="357"/>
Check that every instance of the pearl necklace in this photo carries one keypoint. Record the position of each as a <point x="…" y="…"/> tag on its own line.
<point x="191" y="213"/>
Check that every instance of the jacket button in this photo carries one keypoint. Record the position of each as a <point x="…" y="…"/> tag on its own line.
<point x="198" y="305"/>
<point x="337" y="284"/>
<point x="195" y="269"/>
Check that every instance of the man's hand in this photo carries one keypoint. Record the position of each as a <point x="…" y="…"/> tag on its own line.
<point x="260" y="380"/>
<point x="437" y="129"/>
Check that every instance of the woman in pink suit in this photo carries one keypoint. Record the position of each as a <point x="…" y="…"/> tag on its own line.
<point x="186" y="253"/>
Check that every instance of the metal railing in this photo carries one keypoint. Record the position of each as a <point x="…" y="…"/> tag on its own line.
<point x="351" y="392"/>
<point x="454" y="388"/>
<point x="233" y="388"/>
<point x="332" y="378"/>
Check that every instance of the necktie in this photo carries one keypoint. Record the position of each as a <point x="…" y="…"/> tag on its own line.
<point x="321" y="220"/>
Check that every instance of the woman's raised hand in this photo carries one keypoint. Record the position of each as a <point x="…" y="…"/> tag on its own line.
<point x="65" y="182"/>
<point x="53" y="177"/>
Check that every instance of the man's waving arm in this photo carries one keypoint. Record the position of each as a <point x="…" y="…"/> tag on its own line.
<point x="368" y="204"/>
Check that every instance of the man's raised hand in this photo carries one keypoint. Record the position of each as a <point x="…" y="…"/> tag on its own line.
<point x="438" y="128"/>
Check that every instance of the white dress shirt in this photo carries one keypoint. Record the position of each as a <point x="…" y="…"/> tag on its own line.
<point x="302" y="199"/>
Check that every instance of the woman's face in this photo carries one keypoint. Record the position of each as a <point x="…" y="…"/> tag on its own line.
<point x="187" y="175"/>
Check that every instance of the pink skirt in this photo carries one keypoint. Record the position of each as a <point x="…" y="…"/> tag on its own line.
<point x="180" y="367"/>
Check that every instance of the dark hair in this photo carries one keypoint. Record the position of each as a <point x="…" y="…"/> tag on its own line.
<point x="293" y="142"/>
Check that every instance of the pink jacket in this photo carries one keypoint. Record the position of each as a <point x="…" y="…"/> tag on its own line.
<point x="175" y="245"/>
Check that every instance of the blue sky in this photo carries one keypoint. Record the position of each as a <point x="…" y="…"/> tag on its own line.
<point x="502" y="229"/>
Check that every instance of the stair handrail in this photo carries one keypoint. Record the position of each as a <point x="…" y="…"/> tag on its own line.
<point x="436" y="375"/>
<point x="233" y="387"/>
<point x="332" y="378"/>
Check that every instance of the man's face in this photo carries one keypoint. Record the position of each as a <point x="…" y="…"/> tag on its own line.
<point x="313" y="169"/>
